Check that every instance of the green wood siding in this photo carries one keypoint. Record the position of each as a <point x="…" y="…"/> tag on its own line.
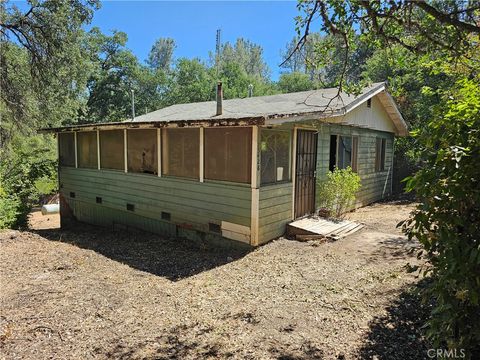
<point x="276" y="200"/>
<point x="192" y="204"/>
<point x="275" y="210"/>
<point x="375" y="185"/>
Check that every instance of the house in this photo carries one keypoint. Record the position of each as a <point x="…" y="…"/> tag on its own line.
<point x="237" y="169"/>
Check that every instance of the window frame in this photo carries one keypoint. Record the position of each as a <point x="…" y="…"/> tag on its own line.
<point x="290" y="157"/>
<point x="355" y="141"/>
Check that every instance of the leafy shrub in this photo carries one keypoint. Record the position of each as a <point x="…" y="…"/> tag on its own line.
<point x="447" y="220"/>
<point x="28" y="168"/>
<point x="338" y="192"/>
<point x="9" y="206"/>
<point x="46" y="185"/>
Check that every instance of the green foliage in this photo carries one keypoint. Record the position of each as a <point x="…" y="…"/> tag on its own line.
<point x="338" y="192"/>
<point x="161" y="54"/>
<point x="295" y="81"/>
<point x="46" y="185"/>
<point x="9" y="205"/>
<point x="190" y="82"/>
<point x="247" y="55"/>
<point x="446" y="222"/>
<point x="29" y="172"/>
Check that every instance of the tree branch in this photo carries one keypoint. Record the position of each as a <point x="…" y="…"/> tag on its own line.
<point x="445" y="19"/>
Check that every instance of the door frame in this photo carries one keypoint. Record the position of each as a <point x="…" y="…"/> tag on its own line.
<point x="294" y="166"/>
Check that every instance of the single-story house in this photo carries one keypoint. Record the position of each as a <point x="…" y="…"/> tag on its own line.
<point x="238" y="169"/>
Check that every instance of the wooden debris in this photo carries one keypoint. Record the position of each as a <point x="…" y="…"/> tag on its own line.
<point x="314" y="228"/>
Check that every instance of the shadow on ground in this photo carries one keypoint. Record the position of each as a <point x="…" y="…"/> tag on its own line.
<point x="174" y="259"/>
<point x="395" y="247"/>
<point x="179" y="344"/>
<point x="398" y="334"/>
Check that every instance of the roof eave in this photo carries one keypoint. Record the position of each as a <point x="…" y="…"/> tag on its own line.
<point x="258" y="120"/>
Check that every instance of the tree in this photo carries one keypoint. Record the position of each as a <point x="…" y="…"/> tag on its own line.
<point x="113" y="75"/>
<point x="441" y="43"/>
<point x="446" y="222"/>
<point x="40" y="88"/>
<point x="295" y="81"/>
<point x="419" y="26"/>
<point x="191" y="81"/>
<point x="248" y="55"/>
<point x="161" y="54"/>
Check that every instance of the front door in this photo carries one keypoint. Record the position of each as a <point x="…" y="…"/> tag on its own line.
<point x="305" y="171"/>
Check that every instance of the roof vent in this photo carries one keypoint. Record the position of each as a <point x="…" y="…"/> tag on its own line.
<point x="219" y="98"/>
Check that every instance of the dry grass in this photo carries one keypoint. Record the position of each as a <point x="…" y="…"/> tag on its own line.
<point x="91" y="293"/>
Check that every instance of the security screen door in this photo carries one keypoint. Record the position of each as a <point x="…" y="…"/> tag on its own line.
<point x="305" y="172"/>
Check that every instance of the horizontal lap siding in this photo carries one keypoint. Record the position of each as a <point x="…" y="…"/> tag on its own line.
<point x="275" y="211"/>
<point x="192" y="204"/>
<point x="375" y="185"/>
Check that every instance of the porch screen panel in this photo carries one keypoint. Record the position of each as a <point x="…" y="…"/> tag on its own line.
<point x="112" y="150"/>
<point x="228" y="154"/>
<point x="275" y="156"/>
<point x="181" y="152"/>
<point x="66" y="149"/>
<point x="142" y="151"/>
<point x="87" y="149"/>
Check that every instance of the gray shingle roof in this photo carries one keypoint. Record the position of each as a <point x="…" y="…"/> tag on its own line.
<point x="271" y="106"/>
<point x="260" y="110"/>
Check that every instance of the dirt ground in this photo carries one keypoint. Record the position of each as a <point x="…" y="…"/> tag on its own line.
<point x="93" y="294"/>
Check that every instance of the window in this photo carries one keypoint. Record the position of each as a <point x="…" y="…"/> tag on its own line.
<point x="112" y="150"/>
<point x="142" y="151"/>
<point x="333" y="152"/>
<point x="87" y="149"/>
<point x="380" y="154"/>
<point x="369" y="103"/>
<point x="181" y="152"/>
<point x="66" y="149"/>
<point x="344" y="155"/>
<point x="343" y="152"/>
<point x="228" y="154"/>
<point x="275" y="156"/>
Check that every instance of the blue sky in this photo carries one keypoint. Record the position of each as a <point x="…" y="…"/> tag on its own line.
<point x="193" y="25"/>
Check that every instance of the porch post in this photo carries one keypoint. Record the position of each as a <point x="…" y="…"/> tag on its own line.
<point x="75" y="143"/>
<point x="254" y="239"/>
<point x="125" y="149"/>
<point x="98" y="149"/>
<point x="294" y="168"/>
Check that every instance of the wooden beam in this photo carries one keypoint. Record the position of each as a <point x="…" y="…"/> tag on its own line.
<point x="254" y="218"/>
<point x="76" y="151"/>
<point x="159" y="153"/>
<point x="254" y="176"/>
<point x="98" y="149"/>
<point x="294" y="168"/>
<point x="202" y="155"/>
<point x="125" y="151"/>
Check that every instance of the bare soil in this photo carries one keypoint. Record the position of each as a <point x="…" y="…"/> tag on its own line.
<point x="92" y="293"/>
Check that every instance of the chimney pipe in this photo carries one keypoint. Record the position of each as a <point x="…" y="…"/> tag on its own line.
<point x="250" y="90"/>
<point x="219" y="98"/>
